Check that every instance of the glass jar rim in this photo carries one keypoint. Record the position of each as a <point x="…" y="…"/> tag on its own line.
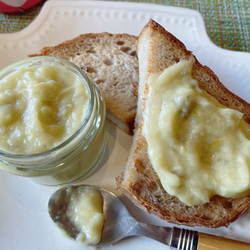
<point x="36" y="61"/>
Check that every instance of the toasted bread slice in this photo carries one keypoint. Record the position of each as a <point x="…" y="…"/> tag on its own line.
<point x="158" y="49"/>
<point x="111" y="61"/>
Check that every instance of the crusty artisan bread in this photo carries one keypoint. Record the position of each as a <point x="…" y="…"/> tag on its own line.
<point x="157" y="49"/>
<point x="111" y="61"/>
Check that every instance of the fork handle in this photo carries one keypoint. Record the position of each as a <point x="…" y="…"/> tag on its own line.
<point x="184" y="239"/>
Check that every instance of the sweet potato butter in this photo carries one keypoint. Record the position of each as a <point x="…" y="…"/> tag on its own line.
<point x="52" y="121"/>
<point x="197" y="146"/>
<point x="39" y="108"/>
<point x="85" y="211"/>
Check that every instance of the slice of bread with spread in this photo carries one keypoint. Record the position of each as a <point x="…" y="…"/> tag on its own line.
<point x="158" y="49"/>
<point x="111" y="61"/>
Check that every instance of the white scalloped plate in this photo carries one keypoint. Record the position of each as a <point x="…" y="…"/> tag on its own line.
<point x="25" y="223"/>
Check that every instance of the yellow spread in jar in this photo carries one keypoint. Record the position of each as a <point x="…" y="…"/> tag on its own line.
<point x="40" y="107"/>
<point x="85" y="211"/>
<point x="197" y="146"/>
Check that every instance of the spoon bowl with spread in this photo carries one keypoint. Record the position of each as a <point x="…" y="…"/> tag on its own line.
<point x="93" y="216"/>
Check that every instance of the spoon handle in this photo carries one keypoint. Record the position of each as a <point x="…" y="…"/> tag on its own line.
<point x="184" y="239"/>
<point x="158" y="233"/>
<point x="217" y="243"/>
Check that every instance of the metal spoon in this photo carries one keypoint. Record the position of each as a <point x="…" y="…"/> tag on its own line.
<point x="120" y="224"/>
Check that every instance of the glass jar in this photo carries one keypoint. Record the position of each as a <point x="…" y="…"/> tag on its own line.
<point x="76" y="157"/>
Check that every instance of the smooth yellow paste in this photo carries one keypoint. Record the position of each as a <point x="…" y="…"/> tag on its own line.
<point x="40" y="107"/>
<point x="198" y="147"/>
<point x="85" y="211"/>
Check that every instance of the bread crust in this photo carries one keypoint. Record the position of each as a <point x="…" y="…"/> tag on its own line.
<point x="111" y="61"/>
<point x="158" y="49"/>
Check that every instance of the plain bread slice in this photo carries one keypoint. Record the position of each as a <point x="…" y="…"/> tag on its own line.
<point x="111" y="61"/>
